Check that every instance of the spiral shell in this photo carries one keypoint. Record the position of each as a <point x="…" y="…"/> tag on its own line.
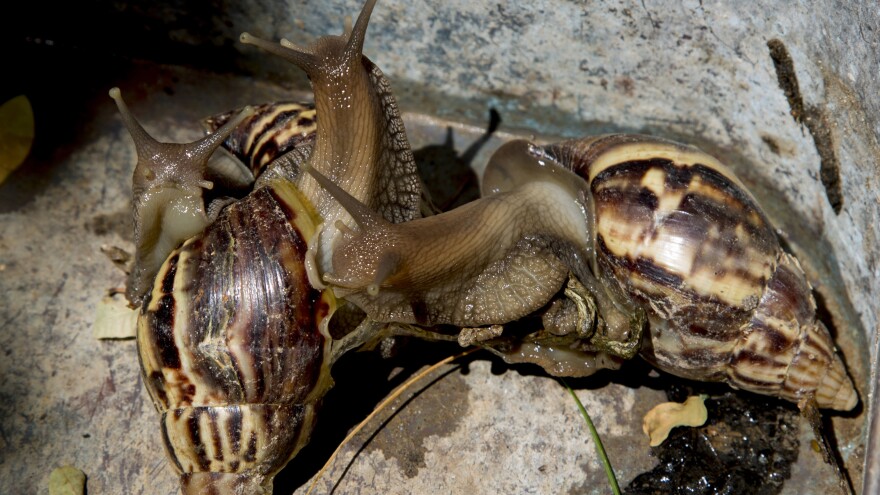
<point x="273" y="130"/>
<point x="234" y="344"/>
<point x="678" y="234"/>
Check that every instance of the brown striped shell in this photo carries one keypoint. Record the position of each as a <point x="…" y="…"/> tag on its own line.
<point x="273" y="130"/>
<point x="233" y="339"/>
<point x="678" y="234"/>
<point x="234" y="344"/>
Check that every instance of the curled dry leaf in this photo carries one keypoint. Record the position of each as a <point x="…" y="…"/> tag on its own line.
<point x="114" y="319"/>
<point x="67" y="480"/>
<point x="664" y="417"/>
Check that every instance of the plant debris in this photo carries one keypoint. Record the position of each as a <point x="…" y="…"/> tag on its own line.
<point x="664" y="417"/>
<point x="67" y="480"/>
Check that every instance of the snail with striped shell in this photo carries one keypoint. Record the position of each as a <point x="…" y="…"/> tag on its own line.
<point x="645" y="225"/>
<point x="232" y="335"/>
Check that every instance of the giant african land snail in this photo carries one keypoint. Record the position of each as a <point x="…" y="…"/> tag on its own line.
<point x="649" y="224"/>
<point x="233" y="338"/>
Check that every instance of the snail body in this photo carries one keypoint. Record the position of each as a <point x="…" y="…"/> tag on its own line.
<point x="399" y="272"/>
<point x="167" y="201"/>
<point x="487" y="263"/>
<point x="360" y="140"/>
<point x="233" y="335"/>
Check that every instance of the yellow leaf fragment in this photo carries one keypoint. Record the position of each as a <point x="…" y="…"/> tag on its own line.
<point x="114" y="319"/>
<point x="664" y="417"/>
<point x="16" y="133"/>
<point x="67" y="480"/>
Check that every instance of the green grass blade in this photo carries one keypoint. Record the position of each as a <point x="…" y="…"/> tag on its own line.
<point x="609" y="471"/>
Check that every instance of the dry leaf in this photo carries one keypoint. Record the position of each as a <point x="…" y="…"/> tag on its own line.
<point x="16" y="134"/>
<point x="114" y="319"/>
<point x="67" y="480"/>
<point x="664" y="417"/>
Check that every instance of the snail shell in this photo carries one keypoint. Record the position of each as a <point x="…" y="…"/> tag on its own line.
<point x="677" y="234"/>
<point x="234" y="344"/>
<point x="273" y="130"/>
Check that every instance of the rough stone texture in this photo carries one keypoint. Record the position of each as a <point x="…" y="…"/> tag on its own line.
<point x="695" y="71"/>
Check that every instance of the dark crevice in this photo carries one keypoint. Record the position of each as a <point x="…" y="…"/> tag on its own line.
<point x="787" y="78"/>
<point x="829" y="171"/>
<point x="813" y="118"/>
